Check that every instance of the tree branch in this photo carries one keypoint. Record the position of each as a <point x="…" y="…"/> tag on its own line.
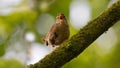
<point x="77" y="43"/>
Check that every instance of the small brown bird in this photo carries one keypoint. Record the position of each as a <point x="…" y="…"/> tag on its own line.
<point x="59" y="32"/>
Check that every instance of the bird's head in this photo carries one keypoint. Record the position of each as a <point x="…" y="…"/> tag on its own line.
<point x="61" y="18"/>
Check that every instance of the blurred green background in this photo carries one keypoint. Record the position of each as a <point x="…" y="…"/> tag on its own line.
<point x="23" y="23"/>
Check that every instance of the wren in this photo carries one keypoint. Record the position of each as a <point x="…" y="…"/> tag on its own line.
<point x="58" y="33"/>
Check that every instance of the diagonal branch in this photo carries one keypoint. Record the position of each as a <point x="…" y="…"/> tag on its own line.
<point x="77" y="43"/>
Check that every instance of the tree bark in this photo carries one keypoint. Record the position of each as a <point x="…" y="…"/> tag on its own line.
<point x="80" y="41"/>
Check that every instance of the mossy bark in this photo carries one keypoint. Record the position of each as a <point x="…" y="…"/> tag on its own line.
<point x="77" y="43"/>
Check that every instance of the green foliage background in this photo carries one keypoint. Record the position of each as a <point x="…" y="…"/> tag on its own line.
<point x="92" y="57"/>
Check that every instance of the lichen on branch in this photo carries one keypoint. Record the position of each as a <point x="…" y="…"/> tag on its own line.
<point x="80" y="41"/>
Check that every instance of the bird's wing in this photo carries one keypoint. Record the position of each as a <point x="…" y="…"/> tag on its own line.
<point x="53" y="33"/>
